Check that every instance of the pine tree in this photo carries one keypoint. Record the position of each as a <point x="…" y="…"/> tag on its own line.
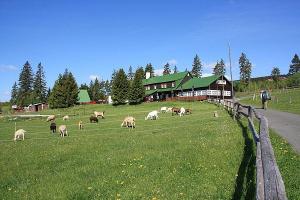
<point x="245" y="69"/>
<point x="166" y="69"/>
<point x="275" y="73"/>
<point x="48" y="94"/>
<point x="175" y="70"/>
<point x="219" y="68"/>
<point x="120" y="87"/>
<point x="130" y="73"/>
<point x="84" y="87"/>
<point x="95" y="90"/>
<point x="150" y="69"/>
<point x="65" y="91"/>
<point x="14" y="94"/>
<point x="295" y="66"/>
<point x="25" y="85"/>
<point x="197" y="67"/>
<point x="137" y="90"/>
<point x="107" y="87"/>
<point x="39" y="85"/>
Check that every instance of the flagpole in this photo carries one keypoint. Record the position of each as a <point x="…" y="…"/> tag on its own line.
<point x="230" y="71"/>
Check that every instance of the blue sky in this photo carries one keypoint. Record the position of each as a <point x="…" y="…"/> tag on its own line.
<point x="91" y="38"/>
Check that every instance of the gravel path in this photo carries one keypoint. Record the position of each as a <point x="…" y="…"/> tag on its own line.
<point x="285" y="124"/>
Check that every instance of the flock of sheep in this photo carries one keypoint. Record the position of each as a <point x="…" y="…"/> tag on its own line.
<point x="128" y="121"/>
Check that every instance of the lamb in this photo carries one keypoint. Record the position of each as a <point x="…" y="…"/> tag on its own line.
<point x="175" y="111"/>
<point x="51" y="118"/>
<point x="163" y="109"/>
<point x="66" y="117"/>
<point x="19" y="133"/>
<point x="128" y="122"/>
<point x="93" y="119"/>
<point x="169" y="109"/>
<point x="152" y="115"/>
<point x="80" y="125"/>
<point x="53" y="127"/>
<point x="63" y="130"/>
<point x="182" y="111"/>
<point x="188" y="111"/>
<point x="97" y="114"/>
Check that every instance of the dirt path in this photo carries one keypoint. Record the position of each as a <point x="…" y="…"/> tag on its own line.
<point x="286" y="125"/>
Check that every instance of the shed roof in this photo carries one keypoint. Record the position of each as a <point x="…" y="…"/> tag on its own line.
<point x="83" y="96"/>
<point x="165" y="78"/>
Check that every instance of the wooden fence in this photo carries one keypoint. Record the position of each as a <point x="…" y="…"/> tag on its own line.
<point x="269" y="183"/>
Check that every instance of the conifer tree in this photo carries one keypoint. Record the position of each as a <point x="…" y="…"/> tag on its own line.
<point x="245" y="69"/>
<point x="150" y="69"/>
<point x="275" y="73"/>
<point x="167" y="69"/>
<point x="120" y="88"/>
<point x="175" y="70"/>
<point x="219" y="68"/>
<point x="65" y="91"/>
<point x="39" y="85"/>
<point x="295" y="65"/>
<point x="197" y="67"/>
<point x="14" y="94"/>
<point x="25" y="85"/>
<point x="107" y="87"/>
<point x="130" y="74"/>
<point x="95" y="90"/>
<point x="137" y="90"/>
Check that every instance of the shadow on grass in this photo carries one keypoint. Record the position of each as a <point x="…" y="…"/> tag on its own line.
<point x="245" y="187"/>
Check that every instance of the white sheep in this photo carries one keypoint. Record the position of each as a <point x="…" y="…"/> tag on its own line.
<point x="66" y="117"/>
<point x="63" y="130"/>
<point x="97" y="114"/>
<point x="50" y="118"/>
<point x="152" y="115"/>
<point x="169" y="109"/>
<point x="128" y="122"/>
<point x="182" y="111"/>
<point x="163" y="109"/>
<point x="19" y="133"/>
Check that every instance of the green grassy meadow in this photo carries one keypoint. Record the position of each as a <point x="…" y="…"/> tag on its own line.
<point x="283" y="100"/>
<point x="191" y="157"/>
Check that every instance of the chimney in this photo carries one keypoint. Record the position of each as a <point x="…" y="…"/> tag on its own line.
<point x="148" y="75"/>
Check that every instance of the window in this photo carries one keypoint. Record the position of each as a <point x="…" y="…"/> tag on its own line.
<point x="154" y="86"/>
<point x="148" y="87"/>
<point x="163" y="85"/>
<point x="173" y="84"/>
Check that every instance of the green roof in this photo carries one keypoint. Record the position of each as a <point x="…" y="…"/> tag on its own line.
<point x="165" y="78"/>
<point x="83" y="96"/>
<point x="199" y="82"/>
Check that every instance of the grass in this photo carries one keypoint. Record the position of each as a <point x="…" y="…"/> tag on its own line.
<point x="192" y="157"/>
<point x="289" y="164"/>
<point x="280" y="100"/>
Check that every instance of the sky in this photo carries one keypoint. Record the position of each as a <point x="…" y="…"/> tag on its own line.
<point x="91" y="38"/>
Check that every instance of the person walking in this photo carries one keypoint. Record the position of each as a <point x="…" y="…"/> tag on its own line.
<point x="265" y="96"/>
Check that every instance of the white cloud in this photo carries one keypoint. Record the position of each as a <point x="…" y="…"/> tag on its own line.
<point x="158" y="72"/>
<point x="94" y="77"/>
<point x="206" y="74"/>
<point x="7" y="68"/>
<point x="172" y="62"/>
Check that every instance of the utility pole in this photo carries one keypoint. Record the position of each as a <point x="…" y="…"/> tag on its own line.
<point x="230" y="71"/>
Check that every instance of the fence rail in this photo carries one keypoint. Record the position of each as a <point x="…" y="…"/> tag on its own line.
<point x="269" y="183"/>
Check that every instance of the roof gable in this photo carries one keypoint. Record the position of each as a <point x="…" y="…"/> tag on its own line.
<point x="165" y="78"/>
<point x="200" y="82"/>
<point x="83" y="96"/>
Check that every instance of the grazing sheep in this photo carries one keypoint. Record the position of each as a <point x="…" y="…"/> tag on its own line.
<point x="175" y="111"/>
<point x="163" y="109"/>
<point x="53" y="127"/>
<point x="66" y="117"/>
<point x="128" y="122"/>
<point x="182" y="111"/>
<point x="63" y="130"/>
<point x="19" y="133"/>
<point x="152" y="115"/>
<point x="80" y="125"/>
<point x="169" y="109"/>
<point x="93" y="119"/>
<point x="97" y="114"/>
<point x="188" y="111"/>
<point x="216" y="114"/>
<point x="51" y="118"/>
